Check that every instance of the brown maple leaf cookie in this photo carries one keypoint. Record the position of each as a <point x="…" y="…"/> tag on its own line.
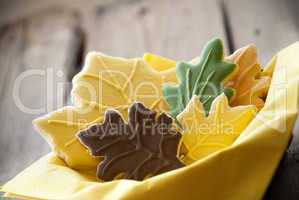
<point x="145" y="146"/>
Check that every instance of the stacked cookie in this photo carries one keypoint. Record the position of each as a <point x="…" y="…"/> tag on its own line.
<point x="136" y="118"/>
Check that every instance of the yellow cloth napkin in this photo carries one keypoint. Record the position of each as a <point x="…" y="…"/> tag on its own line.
<point x="241" y="171"/>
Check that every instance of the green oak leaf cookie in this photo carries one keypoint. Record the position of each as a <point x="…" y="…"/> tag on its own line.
<point x="204" y="79"/>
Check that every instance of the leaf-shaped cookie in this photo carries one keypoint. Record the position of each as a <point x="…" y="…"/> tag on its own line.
<point x="158" y="62"/>
<point x="105" y="82"/>
<point x="203" y="79"/>
<point x="59" y="128"/>
<point x="118" y="82"/>
<point x="204" y="135"/>
<point x="145" y="146"/>
<point x="251" y="88"/>
<point x="250" y="81"/>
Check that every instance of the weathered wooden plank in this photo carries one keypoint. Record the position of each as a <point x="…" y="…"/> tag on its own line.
<point x="176" y="29"/>
<point x="12" y="10"/>
<point x="270" y="24"/>
<point x="37" y="53"/>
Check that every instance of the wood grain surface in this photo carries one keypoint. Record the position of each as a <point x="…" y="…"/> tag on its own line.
<point x="270" y="24"/>
<point x="176" y="30"/>
<point x="36" y="56"/>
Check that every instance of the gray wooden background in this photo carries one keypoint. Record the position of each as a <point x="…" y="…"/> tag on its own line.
<point x="57" y="34"/>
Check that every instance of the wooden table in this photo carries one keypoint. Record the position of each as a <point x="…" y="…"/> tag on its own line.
<point x="53" y="37"/>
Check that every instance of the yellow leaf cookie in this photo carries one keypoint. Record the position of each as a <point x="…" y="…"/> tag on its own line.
<point x="105" y="82"/>
<point x="158" y="62"/>
<point x="204" y="135"/>
<point x="60" y="127"/>
<point x="118" y="82"/>
<point x="251" y="87"/>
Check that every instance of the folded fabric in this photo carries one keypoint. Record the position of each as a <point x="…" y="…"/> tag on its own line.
<point x="240" y="171"/>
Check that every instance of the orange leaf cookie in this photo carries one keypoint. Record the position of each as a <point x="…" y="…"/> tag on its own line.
<point x="251" y="87"/>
